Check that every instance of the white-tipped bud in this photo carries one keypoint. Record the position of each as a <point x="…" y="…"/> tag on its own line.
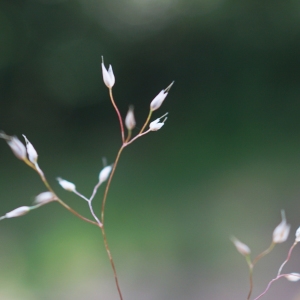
<point x="292" y="277"/>
<point x="156" y="124"/>
<point x="108" y="75"/>
<point x="130" y="120"/>
<point x="17" y="147"/>
<point x="241" y="247"/>
<point x="67" y="185"/>
<point x="159" y="99"/>
<point x="281" y="232"/>
<point x="44" y="198"/>
<point x="32" y="154"/>
<point x="297" y="235"/>
<point x="104" y="174"/>
<point x="20" y="211"/>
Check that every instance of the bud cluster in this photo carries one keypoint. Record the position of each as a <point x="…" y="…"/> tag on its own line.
<point x="280" y="235"/>
<point x="27" y="153"/>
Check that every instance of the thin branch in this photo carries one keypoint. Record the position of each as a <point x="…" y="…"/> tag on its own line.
<point x="147" y="121"/>
<point x="288" y="258"/>
<point x="118" y="113"/>
<point x="269" y="284"/>
<point x="264" y="253"/>
<point x="111" y="262"/>
<point x="109" y="182"/>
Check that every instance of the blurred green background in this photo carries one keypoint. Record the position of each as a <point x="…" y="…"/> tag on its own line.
<point x="225" y="163"/>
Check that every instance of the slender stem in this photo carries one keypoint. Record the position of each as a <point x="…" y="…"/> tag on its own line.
<point x="63" y="203"/>
<point x="81" y="196"/>
<point x="264" y="253"/>
<point x="89" y="201"/>
<point x="118" y="113"/>
<point x="95" y="191"/>
<point x="250" y="265"/>
<point x="109" y="182"/>
<point x="135" y="138"/>
<point x="93" y="213"/>
<point x="102" y="220"/>
<point x="111" y="262"/>
<point x="269" y="284"/>
<point x="147" y="121"/>
<point x="128" y="137"/>
<point x="288" y="257"/>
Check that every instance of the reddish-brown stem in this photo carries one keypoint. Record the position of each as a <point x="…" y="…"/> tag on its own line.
<point x="111" y="261"/>
<point x="251" y="266"/>
<point x="109" y="182"/>
<point x="264" y="253"/>
<point x="119" y="115"/>
<point x="288" y="257"/>
<point x="269" y="284"/>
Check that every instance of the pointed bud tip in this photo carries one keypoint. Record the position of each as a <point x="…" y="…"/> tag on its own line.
<point x="167" y="89"/>
<point x="32" y="154"/>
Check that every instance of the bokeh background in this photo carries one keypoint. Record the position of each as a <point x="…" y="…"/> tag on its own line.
<point x="226" y="162"/>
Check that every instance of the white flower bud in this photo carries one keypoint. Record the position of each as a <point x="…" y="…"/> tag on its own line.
<point x="281" y="232"/>
<point x="17" y="147"/>
<point x="292" y="277"/>
<point x="159" y="99"/>
<point x="44" y="198"/>
<point x="104" y="174"/>
<point x="156" y="124"/>
<point x="20" y="211"/>
<point x="108" y="76"/>
<point x="130" y="120"/>
<point x="32" y="154"/>
<point x="241" y="247"/>
<point x="67" y="185"/>
<point x="297" y="235"/>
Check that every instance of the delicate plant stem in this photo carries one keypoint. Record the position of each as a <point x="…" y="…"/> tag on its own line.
<point x="95" y="191"/>
<point x="128" y="136"/>
<point x="93" y="214"/>
<point x="109" y="182"/>
<point x="111" y="261"/>
<point x="147" y="121"/>
<point x="288" y="257"/>
<point x="252" y="264"/>
<point x="102" y="220"/>
<point x="251" y="283"/>
<point x="118" y="113"/>
<point x="268" y="286"/>
<point x="264" y="253"/>
<point x="63" y="203"/>
<point x="135" y="138"/>
<point x="81" y="196"/>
